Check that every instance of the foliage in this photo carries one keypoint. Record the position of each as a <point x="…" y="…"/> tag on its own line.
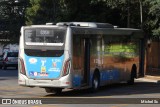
<point x="11" y="19"/>
<point x="154" y="13"/>
<point x="41" y="11"/>
<point x="123" y="13"/>
<point x="115" y="12"/>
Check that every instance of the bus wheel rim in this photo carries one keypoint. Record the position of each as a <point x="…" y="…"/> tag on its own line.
<point x="95" y="83"/>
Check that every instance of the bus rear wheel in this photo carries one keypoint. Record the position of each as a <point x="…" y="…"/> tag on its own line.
<point x="95" y="82"/>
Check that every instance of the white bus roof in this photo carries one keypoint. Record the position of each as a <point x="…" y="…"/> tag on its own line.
<point x="86" y="24"/>
<point x="94" y="28"/>
<point x="108" y="31"/>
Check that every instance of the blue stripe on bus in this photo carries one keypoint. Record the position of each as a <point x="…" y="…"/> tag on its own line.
<point x="116" y="74"/>
<point x="77" y="81"/>
<point x="113" y="75"/>
<point x="109" y="75"/>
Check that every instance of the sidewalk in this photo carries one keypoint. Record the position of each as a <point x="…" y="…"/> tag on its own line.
<point x="148" y="78"/>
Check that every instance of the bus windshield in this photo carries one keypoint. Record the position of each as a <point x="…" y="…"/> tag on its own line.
<point x="44" y="36"/>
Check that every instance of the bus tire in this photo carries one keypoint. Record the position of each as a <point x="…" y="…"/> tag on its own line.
<point x="132" y="75"/>
<point x="95" y="82"/>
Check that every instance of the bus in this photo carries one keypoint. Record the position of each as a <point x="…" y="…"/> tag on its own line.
<point x="78" y="55"/>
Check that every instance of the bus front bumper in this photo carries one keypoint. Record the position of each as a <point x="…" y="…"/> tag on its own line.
<point x="63" y="82"/>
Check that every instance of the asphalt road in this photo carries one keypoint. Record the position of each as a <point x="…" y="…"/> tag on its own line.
<point x="10" y="72"/>
<point x="9" y="88"/>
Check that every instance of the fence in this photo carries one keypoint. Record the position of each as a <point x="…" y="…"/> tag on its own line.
<point x="153" y="58"/>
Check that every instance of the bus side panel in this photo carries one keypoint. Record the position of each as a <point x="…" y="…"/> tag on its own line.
<point x="99" y="61"/>
<point x="112" y="55"/>
<point x="119" y="54"/>
<point x="77" y="60"/>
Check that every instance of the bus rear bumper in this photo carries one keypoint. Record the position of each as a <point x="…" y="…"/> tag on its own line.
<point x="59" y="83"/>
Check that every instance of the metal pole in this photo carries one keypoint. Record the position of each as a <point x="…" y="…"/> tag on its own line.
<point x="128" y="10"/>
<point x="141" y="15"/>
<point x="142" y="42"/>
<point x="158" y="54"/>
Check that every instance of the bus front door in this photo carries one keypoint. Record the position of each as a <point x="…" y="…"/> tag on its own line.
<point x="86" y="60"/>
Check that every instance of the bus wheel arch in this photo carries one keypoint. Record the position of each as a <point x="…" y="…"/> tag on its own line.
<point x="95" y="80"/>
<point x="133" y="74"/>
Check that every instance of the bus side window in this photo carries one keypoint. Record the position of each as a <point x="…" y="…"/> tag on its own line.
<point x="77" y="60"/>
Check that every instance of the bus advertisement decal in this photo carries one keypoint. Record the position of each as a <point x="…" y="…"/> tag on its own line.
<point x="40" y="67"/>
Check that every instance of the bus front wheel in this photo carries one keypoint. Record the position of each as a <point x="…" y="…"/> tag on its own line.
<point x="132" y="75"/>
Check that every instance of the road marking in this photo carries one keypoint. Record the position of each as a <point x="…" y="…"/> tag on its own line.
<point x="75" y="97"/>
<point x="120" y="105"/>
<point x="48" y="105"/>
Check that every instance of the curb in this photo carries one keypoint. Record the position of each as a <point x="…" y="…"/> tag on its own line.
<point x="148" y="80"/>
<point x="152" y="77"/>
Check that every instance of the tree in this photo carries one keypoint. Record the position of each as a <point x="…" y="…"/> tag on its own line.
<point x="116" y="12"/>
<point x="123" y="13"/>
<point x="42" y="11"/>
<point x="154" y="15"/>
<point x="89" y="10"/>
<point x="12" y="18"/>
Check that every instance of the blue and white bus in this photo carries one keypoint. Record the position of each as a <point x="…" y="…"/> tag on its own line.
<point x="79" y="55"/>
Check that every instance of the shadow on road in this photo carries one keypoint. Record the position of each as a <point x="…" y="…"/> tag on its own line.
<point x="114" y="90"/>
<point x="10" y="72"/>
<point x="1" y="79"/>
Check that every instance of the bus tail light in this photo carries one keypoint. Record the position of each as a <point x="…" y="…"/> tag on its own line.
<point x="66" y="67"/>
<point x="22" y="67"/>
